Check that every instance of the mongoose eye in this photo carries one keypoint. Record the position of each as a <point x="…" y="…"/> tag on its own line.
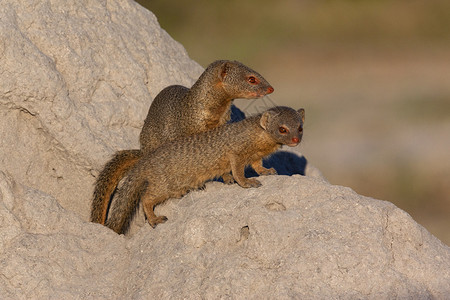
<point x="283" y="130"/>
<point x="252" y="80"/>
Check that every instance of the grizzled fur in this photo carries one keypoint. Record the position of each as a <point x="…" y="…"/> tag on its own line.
<point x="178" y="111"/>
<point x="187" y="163"/>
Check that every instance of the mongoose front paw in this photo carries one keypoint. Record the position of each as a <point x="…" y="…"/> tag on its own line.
<point x="270" y="171"/>
<point x="228" y="179"/>
<point x="157" y="220"/>
<point x="251" y="183"/>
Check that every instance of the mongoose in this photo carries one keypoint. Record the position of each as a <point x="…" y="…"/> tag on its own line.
<point x="186" y="163"/>
<point x="179" y="111"/>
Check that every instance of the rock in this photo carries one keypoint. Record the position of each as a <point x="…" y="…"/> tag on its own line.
<point x="75" y="84"/>
<point x="48" y="252"/>
<point x="294" y="237"/>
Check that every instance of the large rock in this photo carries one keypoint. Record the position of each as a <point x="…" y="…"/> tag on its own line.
<point x="295" y="237"/>
<point x="76" y="81"/>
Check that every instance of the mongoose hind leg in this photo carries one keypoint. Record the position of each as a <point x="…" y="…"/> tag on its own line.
<point x="149" y="202"/>
<point x="157" y="220"/>
<point x="258" y="167"/>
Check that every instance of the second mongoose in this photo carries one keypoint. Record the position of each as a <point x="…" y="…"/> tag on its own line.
<point x="186" y="163"/>
<point x="178" y="111"/>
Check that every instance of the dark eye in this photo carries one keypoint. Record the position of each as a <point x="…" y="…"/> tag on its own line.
<point x="282" y="130"/>
<point x="300" y="129"/>
<point x="252" y="79"/>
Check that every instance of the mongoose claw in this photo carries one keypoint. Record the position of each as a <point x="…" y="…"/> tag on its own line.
<point x="270" y="171"/>
<point x="228" y="178"/>
<point x="155" y="221"/>
<point x="251" y="183"/>
<point x="202" y="187"/>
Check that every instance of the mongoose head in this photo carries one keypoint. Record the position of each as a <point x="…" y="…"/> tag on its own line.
<point x="284" y="124"/>
<point x="239" y="81"/>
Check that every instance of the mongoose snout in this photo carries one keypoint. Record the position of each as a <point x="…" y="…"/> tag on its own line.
<point x="295" y="141"/>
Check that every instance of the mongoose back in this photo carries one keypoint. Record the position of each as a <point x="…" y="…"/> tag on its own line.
<point x="186" y="163"/>
<point x="178" y="111"/>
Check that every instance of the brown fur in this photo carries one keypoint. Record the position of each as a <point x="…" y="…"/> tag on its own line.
<point x="176" y="112"/>
<point x="187" y="163"/>
<point x="113" y="171"/>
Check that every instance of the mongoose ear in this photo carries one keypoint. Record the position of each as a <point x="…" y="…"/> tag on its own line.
<point x="265" y="118"/>
<point x="223" y="70"/>
<point x="301" y="111"/>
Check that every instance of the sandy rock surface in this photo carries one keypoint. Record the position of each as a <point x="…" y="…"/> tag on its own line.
<point x="294" y="237"/>
<point x="76" y="80"/>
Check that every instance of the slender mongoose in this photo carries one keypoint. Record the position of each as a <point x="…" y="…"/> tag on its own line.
<point x="178" y="166"/>
<point x="179" y="111"/>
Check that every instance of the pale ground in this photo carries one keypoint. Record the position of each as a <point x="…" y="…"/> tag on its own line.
<point x="379" y="123"/>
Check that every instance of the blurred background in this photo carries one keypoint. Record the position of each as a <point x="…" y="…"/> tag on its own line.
<point x="372" y="75"/>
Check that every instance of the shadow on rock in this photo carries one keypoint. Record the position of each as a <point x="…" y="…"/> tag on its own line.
<point x="236" y="114"/>
<point x="284" y="162"/>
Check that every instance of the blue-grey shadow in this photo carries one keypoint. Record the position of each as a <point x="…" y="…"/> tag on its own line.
<point x="284" y="162"/>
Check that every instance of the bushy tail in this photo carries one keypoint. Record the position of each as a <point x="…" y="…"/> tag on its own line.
<point x="107" y="181"/>
<point x="126" y="204"/>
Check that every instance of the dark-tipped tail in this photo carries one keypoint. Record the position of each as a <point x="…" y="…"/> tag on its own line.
<point x="107" y="181"/>
<point x="125" y="206"/>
